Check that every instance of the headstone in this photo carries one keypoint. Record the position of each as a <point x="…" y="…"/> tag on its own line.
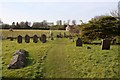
<point x="18" y="59"/>
<point x="52" y="38"/>
<point x="19" y="39"/>
<point x="27" y="39"/>
<point x="51" y="35"/>
<point x="88" y="47"/>
<point x="35" y="38"/>
<point x="78" y="42"/>
<point x="59" y="35"/>
<point x="105" y="44"/>
<point x="114" y="41"/>
<point x="65" y="35"/>
<point x="11" y="38"/>
<point x="70" y="36"/>
<point x="43" y="38"/>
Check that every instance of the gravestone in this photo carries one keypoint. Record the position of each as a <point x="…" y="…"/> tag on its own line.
<point x="43" y="38"/>
<point x="51" y="35"/>
<point x="11" y="38"/>
<point x="27" y="39"/>
<point x="105" y="44"/>
<point x="18" y="59"/>
<point x="70" y="37"/>
<point x="52" y="38"/>
<point x="88" y="47"/>
<point x="65" y="35"/>
<point x="35" y="38"/>
<point x="78" y="42"/>
<point x="59" y="35"/>
<point x="114" y="41"/>
<point x="19" y="39"/>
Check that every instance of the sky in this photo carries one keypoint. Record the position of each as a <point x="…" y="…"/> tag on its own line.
<point x="53" y="10"/>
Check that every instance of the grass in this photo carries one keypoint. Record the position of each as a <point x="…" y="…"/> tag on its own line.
<point x="15" y="33"/>
<point x="70" y="61"/>
<point x="60" y="58"/>
<point x="36" y="52"/>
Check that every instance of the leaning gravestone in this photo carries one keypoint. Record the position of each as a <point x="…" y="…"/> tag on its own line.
<point x="78" y="42"/>
<point x="105" y="44"/>
<point x="43" y="38"/>
<point x="27" y="39"/>
<point x="18" y="59"/>
<point x="19" y="39"/>
<point x="35" y="38"/>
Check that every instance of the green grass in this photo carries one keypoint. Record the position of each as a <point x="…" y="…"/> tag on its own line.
<point x="36" y="52"/>
<point x="15" y="33"/>
<point x="68" y="61"/>
<point x="61" y="58"/>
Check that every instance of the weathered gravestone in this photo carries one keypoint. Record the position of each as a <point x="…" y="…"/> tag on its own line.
<point x="35" y="38"/>
<point x="18" y="59"/>
<point x="19" y="39"/>
<point x="78" y="42"/>
<point x="105" y="44"/>
<point x="27" y="39"/>
<point x="43" y="38"/>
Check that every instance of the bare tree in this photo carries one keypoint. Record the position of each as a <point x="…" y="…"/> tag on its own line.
<point x="114" y="13"/>
<point x="119" y="9"/>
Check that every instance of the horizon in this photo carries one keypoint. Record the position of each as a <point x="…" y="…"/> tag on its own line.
<point x="53" y="11"/>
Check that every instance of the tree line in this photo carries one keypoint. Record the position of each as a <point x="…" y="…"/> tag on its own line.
<point x="44" y="25"/>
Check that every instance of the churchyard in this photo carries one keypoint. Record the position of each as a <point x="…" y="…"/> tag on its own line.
<point x="58" y="57"/>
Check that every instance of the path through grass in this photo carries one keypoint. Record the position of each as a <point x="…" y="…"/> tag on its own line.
<point x="60" y="58"/>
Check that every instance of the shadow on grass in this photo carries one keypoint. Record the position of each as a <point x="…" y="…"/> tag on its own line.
<point x="14" y="78"/>
<point x="9" y="78"/>
<point x="29" y="60"/>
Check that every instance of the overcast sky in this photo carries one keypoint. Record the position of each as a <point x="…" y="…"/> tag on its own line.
<point x="52" y="10"/>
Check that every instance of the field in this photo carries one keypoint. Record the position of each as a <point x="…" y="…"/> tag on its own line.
<point x="59" y="58"/>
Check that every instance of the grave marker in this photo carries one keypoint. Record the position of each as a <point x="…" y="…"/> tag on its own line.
<point x="78" y="42"/>
<point x="43" y="38"/>
<point x="18" y="59"/>
<point x="19" y="39"/>
<point x="105" y="44"/>
<point x="27" y="39"/>
<point x="35" y="38"/>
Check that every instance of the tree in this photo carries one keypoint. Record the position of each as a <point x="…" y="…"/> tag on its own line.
<point x="102" y="27"/>
<point x="27" y="25"/>
<point x="36" y="25"/>
<point x="13" y="25"/>
<point x="114" y="13"/>
<point x="17" y="25"/>
<point x="81" y="22"/>
<point x="119" y="8"/>
<point x="74" y="22"/>
<point x="5" y="26"/>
